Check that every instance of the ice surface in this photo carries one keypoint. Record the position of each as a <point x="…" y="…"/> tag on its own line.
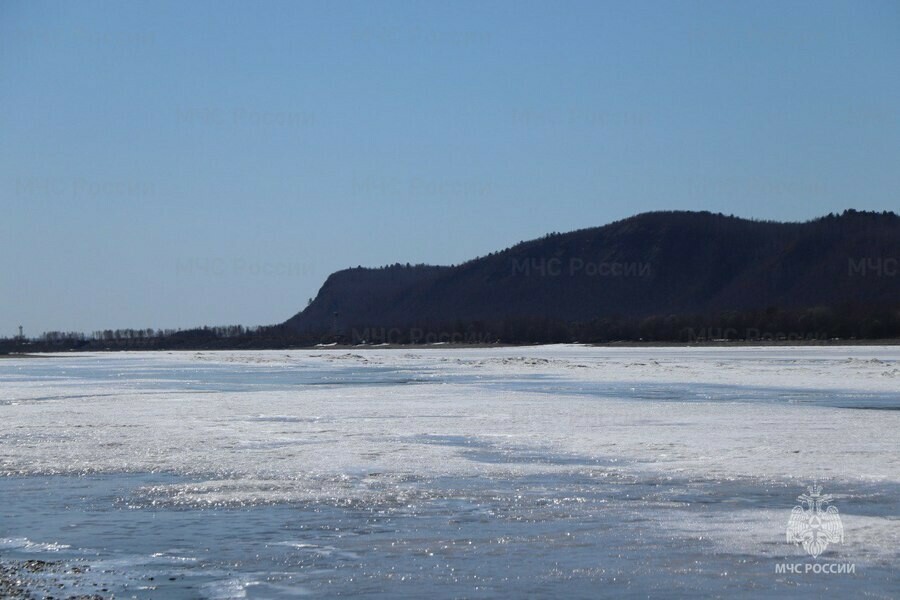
<point x="327" y="435"/>
<point x="693" y="447"/>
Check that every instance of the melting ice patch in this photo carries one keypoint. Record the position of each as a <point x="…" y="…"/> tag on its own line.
<point x="26" y="545"/>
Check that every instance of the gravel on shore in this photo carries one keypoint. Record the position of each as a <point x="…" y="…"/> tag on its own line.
<point x="41" y="580"/>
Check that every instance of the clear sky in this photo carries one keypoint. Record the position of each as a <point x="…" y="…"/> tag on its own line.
<point x="172" y="164"/>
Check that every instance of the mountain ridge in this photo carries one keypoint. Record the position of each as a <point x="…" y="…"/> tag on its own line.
<point x="650" y="265"/>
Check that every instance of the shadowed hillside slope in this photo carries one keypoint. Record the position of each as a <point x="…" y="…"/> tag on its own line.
<point x="653" y="265"/>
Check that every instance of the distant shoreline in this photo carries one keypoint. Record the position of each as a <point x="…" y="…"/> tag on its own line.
<point x="464" y="346"/>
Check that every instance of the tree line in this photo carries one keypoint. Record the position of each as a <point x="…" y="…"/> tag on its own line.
<point x="773" y="324"/>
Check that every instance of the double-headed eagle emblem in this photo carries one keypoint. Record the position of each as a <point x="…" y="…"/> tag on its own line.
<point x="815" y="526"/>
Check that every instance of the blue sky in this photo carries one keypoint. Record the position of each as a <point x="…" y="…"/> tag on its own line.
<point x="171" y="164"/>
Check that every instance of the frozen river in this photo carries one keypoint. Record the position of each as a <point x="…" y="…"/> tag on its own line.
<point x="563" y="471"/>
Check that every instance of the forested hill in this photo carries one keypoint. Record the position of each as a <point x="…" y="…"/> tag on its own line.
<point x="654" y="274"/>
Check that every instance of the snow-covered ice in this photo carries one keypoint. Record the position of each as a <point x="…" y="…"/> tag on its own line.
<point x="684" y="461"/>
